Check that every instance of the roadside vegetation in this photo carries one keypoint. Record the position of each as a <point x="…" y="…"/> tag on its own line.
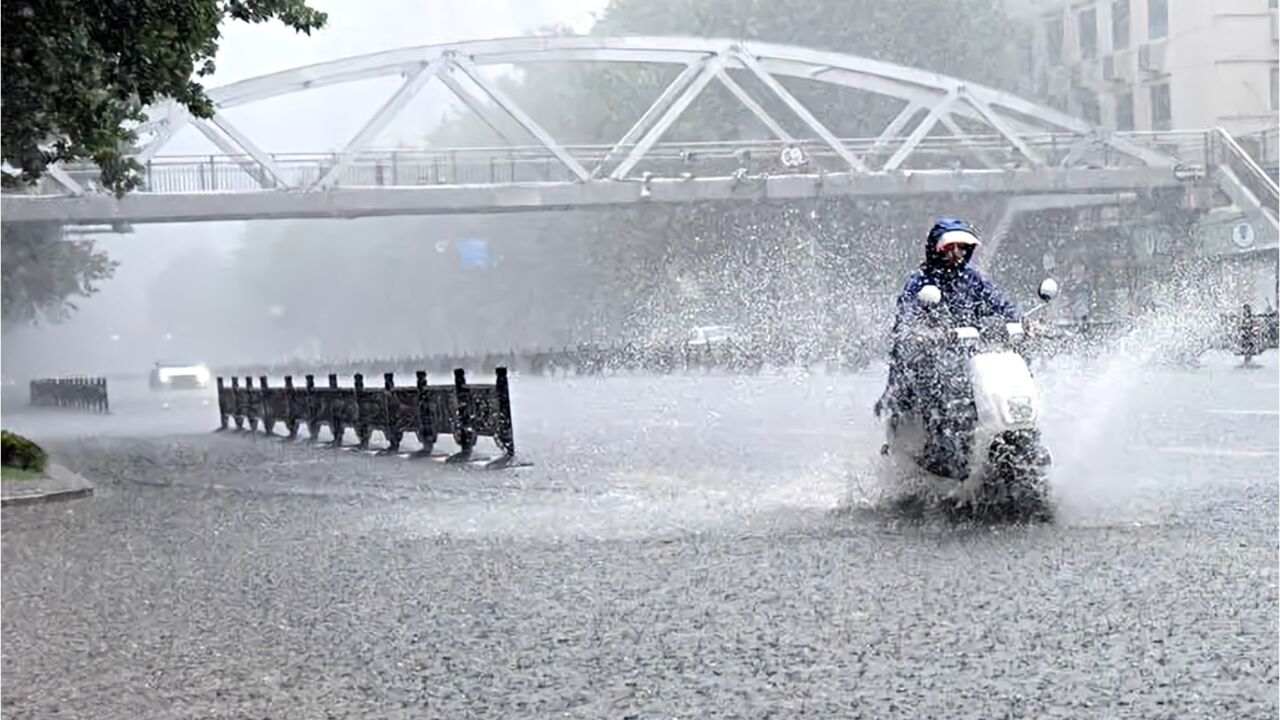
<point x="22" y="458"/>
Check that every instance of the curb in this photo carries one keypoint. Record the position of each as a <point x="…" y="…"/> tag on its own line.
<point x="61" y="484"/>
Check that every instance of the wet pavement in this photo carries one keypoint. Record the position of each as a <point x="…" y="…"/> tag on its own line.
<point x="55" y="484"/>
<point x="680" y="547"/>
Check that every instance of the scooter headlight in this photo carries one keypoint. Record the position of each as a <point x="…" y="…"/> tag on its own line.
<point x="1020" y="409"/>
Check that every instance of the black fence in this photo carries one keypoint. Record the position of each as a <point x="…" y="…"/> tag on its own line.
<point x="1249" y="334"/>
<point x="597" y="359"/>
<point x="78" y="392"/>
<point x="464" y="411"/>
<point x="1079" y="338"/>
<point x="1242" y="333"/>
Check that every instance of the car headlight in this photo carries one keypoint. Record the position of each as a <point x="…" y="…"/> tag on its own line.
<point x="1020" y="409"/>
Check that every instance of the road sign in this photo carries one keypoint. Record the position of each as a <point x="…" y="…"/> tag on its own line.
<point x="1146" y="241"/>
<point x="474" y="253"/>
<point x="1242" y="235"/>
<point x="793" y="156"/>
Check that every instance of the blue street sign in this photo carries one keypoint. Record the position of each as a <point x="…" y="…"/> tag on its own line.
<point x="474" y="253"/>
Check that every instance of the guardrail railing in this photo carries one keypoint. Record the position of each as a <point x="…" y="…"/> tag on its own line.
<point x="465" y="411"/>
<point x="1225" y="150"/>
<point x="503" y="164"/>
<point x="82" y="393"/>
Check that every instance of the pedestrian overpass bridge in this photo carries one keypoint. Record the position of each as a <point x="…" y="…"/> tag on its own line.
<point x="947" y="137"/>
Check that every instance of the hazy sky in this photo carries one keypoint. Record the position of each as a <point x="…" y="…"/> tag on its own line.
<point x="325" y="119"/>
<point x="315" y="121"/>
<point x="289" y="124"/>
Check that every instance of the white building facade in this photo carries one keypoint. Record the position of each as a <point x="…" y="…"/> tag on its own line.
<point x="1154" y="64"/>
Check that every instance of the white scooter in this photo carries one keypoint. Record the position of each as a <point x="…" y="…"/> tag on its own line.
<point x="986" y="418"/>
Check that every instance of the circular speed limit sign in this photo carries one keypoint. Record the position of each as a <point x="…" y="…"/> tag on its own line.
<point x="1242" y="235"/>
<point x="793" y="156"/>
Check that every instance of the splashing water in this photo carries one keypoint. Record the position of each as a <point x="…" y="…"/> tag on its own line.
<point x="1096" y="409"/>
<point x="1099" y="410"/>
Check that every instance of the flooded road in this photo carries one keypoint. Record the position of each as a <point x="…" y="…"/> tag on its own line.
<point x="679" y="547"/>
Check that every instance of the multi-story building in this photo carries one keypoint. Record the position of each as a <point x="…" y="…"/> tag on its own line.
<point x="1154" y="64"/>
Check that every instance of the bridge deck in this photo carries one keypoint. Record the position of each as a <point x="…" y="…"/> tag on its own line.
<point x="354" y="202"/>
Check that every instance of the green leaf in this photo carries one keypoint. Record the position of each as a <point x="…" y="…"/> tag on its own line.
<point x="43" y="272"/>
<point x="76" y="72"/>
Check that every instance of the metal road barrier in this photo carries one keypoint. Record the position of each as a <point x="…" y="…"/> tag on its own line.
<point x="599" y="358"/>
<point x="76" y="392"/>
<point x="463" y="410"/>
<point x="1245" y="333"/>
<point x="1249" y="334"/>
<point x="1085" y="337"/>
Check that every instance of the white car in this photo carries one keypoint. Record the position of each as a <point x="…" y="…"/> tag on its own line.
<point x="180" y="376"/>
<point x="712" y="335"/>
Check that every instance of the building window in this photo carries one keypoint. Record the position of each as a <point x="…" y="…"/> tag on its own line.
<point x="1089" y="107"/>
<point x="1026" y="53"/>
<point x="1053" y="39"/>
<point x="1119" y="24"/>
<point x="1124" y="111"/>
<point x="1161" y="107"/>
<point x="1091" y="111"/>
<point x="1275" y="88"/>
<point x="1088" y="24"/>
<point x="1157" y="19"/>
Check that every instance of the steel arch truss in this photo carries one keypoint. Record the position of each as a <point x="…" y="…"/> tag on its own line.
<point x="1006" y="132"/>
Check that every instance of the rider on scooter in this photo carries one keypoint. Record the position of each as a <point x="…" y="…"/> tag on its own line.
<point x="967" y="297"/>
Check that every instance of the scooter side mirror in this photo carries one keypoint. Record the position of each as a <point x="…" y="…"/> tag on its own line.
<point x="1048" y="289"/>
<point x="929" y="295"/>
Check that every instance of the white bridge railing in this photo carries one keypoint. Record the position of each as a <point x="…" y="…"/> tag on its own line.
<point x="530" y="164"/>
